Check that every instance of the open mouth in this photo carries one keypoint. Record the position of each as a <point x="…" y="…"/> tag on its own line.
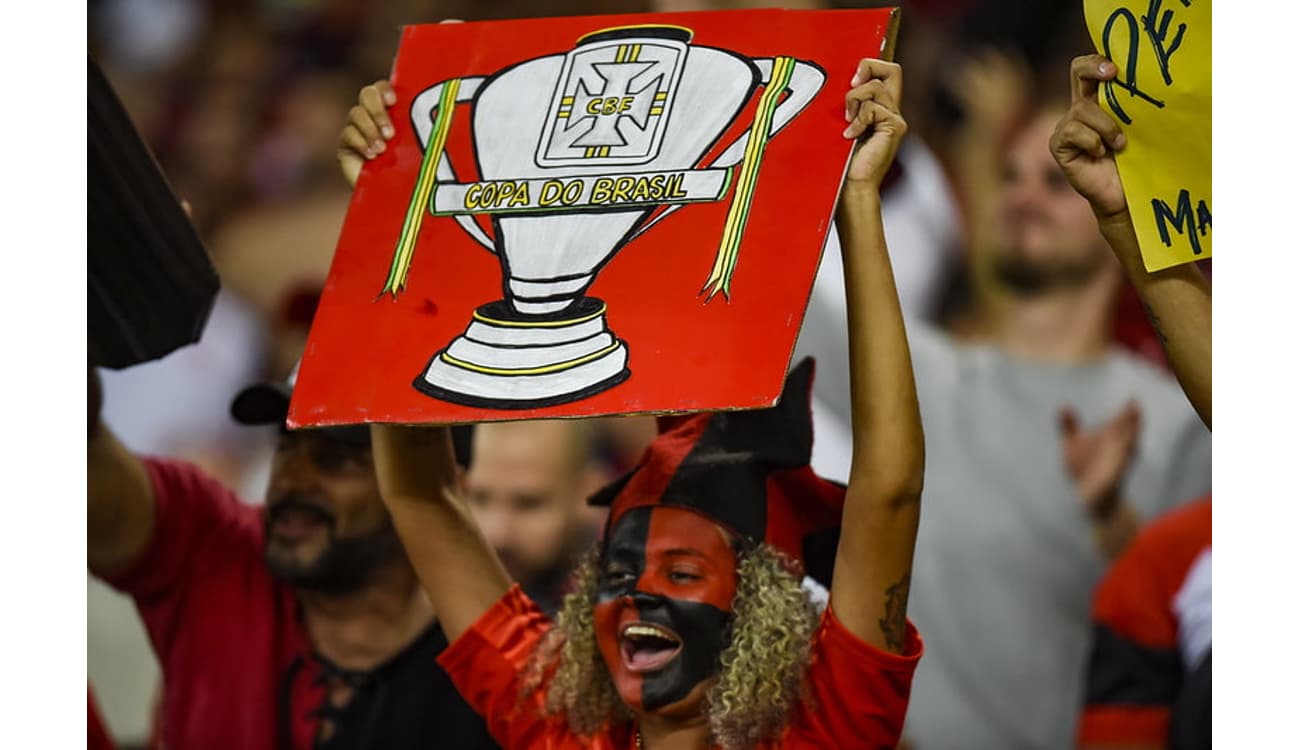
<point x="297" y="520"/>
<point x="647" y="647"/>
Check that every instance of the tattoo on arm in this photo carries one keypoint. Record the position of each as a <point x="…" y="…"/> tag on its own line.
<point x="894" y="624"/>
<point x="1155" y="323"/>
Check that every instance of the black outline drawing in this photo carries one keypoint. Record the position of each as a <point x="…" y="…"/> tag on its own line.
<point x="545" y="342"/>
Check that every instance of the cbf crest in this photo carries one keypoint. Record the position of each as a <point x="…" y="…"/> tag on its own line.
<point x="588" y="216"/>
<point x="614" y="96"/>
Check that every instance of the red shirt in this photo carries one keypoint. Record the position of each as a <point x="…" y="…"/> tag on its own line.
<point x="239" y="671"/>
<point x="226" y="634"/>
<point x="96" y="736"/>
<point x="860" y="692"/>
<point x="1135" y="671"/>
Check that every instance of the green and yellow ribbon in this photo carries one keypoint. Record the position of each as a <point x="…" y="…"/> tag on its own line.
<point x="724" y="264"/>
<point x="424" y="184"/>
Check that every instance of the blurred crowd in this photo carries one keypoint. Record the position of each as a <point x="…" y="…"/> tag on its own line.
<point x="242" y="101"/>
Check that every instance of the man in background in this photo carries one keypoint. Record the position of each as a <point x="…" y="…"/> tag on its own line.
<point x="297" y="624"/>
<point x="527" y="485"/>
<point x="1046" y="448"/>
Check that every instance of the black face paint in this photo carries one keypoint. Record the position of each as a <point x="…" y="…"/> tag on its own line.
<point x="703" y="626"/>
<point x="704" y="630"/>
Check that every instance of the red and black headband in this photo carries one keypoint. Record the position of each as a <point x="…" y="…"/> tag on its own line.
<point x="746" y="470"/>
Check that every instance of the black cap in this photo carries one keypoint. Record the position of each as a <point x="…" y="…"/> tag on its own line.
<point x="268" y="404"/>
<point x="262" y="404"/>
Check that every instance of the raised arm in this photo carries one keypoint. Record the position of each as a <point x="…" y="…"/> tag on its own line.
<point x="417" y="480"/>
<point x="415" y="465"/>
<point x="119" y="499"/>
<point x="1177" y="300"/>
<point x="874" y="562"/>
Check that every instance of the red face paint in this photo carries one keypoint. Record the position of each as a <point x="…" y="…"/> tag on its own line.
<point x="663" y="607"/>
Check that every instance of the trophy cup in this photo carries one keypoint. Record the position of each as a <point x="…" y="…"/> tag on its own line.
<point x="575" y="153"/>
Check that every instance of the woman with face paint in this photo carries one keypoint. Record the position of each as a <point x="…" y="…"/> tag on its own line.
<point x="688" y="627"/>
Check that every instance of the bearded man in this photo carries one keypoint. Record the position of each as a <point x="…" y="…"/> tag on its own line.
<point x="298" y="624"/>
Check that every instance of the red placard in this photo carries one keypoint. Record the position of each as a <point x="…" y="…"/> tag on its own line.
<point x="590" y="215"/>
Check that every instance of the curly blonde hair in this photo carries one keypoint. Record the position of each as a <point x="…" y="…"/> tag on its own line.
<point x="760" y="675"/>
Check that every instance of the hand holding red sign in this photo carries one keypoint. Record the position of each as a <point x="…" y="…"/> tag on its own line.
<point x="872" y="110"/>
<point x="368" y="129"/>
<point x="657" y="691"/>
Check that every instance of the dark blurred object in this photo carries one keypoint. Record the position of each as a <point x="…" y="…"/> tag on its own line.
<point x="1046" y="35"/>
<point x="473" y="10"/>
<point x="150" y="283"/>
<point x="96" y="736"/>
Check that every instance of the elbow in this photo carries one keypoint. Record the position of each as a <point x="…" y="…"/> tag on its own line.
<point x="897" y="485"/>
<point x="901" y="484"/>
<point x="896" y="477"/>
<point x="905" y="493"/>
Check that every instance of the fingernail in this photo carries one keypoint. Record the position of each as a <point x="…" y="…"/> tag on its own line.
<point x="378" y="147"/>
<point x="1105" y="68"/>
<point x="857" y="78"/>
<point x="1120" y="140"/>
<point x="370" y="154"/>
<point x="848" y="132"/>
<point x="390" y="97"/>
<point x="388" y="131"/>
<point x="848" y="116"/>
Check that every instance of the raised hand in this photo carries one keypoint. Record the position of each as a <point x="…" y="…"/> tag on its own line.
<point x="1087" y="138"/>
<point x="1177" y="299"/>
<point x="368" y="129"/>
<point x="871" y="107"/>
<point x="993" y="87"/>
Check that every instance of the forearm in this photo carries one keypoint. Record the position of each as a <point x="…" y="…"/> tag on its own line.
<point x="1178" y="303"/>
<point x="874" y="560"/>
<point x="417" y="480"/>
<point x="119" y="497"/>
<point x="119" y="505"/>
<point x="888" y="447"/>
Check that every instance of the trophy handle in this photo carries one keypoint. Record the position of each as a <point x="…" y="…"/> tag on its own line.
<point x="779" y="75"/>
<point x="805" y="81"/>
<point x="431" y="114"/>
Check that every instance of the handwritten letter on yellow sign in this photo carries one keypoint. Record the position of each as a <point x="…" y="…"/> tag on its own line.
<point x="1161" y="98"/>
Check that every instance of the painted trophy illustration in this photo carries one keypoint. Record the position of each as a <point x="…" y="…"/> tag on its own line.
<point x="622" y="122"/>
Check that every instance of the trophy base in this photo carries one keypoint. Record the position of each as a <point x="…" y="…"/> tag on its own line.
<point x="506" y="360"/>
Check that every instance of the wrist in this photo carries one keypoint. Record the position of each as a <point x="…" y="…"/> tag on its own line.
<point x="860" y="191"/>
<point x="1117" y="229"/>
<point x="1114" y="532"/>
<point x="1113" y="220"/>
<point x="1116" y="226"/>
<point x="1104" y="510"/>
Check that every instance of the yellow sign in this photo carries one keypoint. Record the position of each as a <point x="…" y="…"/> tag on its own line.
<point x="1161" y="98"/>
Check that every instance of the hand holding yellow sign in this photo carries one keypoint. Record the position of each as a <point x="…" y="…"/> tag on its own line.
<point x="1161" y="97"/>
